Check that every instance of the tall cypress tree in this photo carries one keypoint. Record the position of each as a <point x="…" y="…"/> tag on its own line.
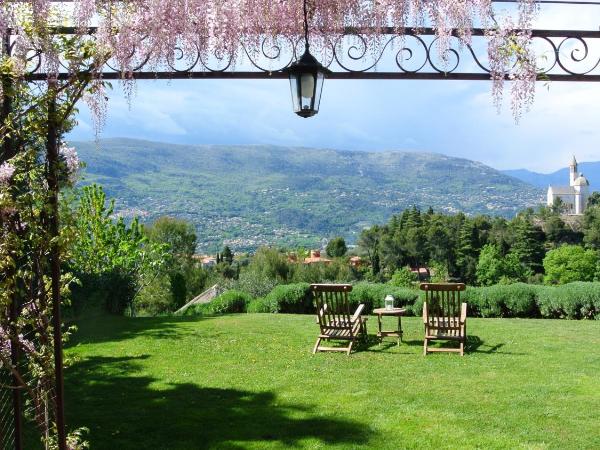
<point x="227" y="255"/>
<point x="467" y="252"/>
<point x="529" y="245"/>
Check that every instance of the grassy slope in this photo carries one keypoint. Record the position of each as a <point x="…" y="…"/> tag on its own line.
<point x="249" y="381"/>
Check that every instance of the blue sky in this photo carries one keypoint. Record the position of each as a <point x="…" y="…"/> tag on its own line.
<point x="451" y="117"/>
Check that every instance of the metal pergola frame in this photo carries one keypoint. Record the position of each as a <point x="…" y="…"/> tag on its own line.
<point x="567" y="52"/>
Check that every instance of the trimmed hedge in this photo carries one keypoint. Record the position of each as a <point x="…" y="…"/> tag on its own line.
<point x="503" y="300"/>
<point x="579" y="300"/>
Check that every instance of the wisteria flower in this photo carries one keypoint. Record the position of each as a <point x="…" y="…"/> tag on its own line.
<point x="6" y="172"/>
<point x="155" y="34"/>
<point x="71" y="160"/>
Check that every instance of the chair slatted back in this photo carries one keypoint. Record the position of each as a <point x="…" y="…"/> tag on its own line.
<point x="443" y="307"/>
<point x="333" y="309"/>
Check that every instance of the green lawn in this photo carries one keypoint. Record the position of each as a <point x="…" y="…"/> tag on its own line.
<point x="250" y="381"/>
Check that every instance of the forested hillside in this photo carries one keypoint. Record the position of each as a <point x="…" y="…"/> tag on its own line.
<point x="249" y="196"/>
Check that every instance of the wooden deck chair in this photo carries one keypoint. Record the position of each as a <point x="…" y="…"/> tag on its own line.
<point x="334" y="318"/>
<point x="444" y="316"/>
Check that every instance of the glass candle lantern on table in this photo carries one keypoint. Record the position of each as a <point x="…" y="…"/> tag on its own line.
<point x="389" y="302"/>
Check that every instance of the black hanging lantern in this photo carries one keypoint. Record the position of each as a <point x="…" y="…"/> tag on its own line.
<point x="306" y="79"/>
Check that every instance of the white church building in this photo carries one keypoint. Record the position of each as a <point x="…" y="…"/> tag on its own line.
<point x="574" y="197"/>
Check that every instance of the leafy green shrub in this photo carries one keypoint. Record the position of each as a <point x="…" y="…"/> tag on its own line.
<point x="404" y="278"/>
<point x="255" y="283"/>
<point x="579" y="300"/>
<point x="570" y="263"/>
<point x="228" y="302"/>
<point x="373" y="294"/>
<point x="286" y="298"/>
<point x="115" y="288"/>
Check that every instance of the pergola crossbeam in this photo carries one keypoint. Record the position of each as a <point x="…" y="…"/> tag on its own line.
<point x="570" y="55"/>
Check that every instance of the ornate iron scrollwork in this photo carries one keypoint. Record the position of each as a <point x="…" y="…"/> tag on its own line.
<point x="568" y="56"/>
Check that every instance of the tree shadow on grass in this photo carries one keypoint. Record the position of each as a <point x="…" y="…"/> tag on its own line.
<point x="123" y="411"/>
<point x="112" y="328"/>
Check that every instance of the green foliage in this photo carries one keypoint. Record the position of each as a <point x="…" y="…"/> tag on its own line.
<point x="528" y="245"/>
<point x="256" y="283"/>
<point x="178" y="288"/>
<point x="184" y="276"/>
<point x="593" y="200"/>
<point x="227" y="255"/>
<point x="336" y="248"/>
<point x="578" y="300"/>
<point x="570" y="263"/>
<point x="338" y="271"/>
<point x="35" y="119"/>
<point x="404" y="278"/>
<point x="155" y="297"/>
<point x="467" y="252"/>
<point x="591" y="226"/>
<point x="439" y="272"/>
<point x="111" y="251"/>
<point x="177" y="235"/>
<point x="368" y="241"/>
<point x="493" y="267"/>
<point x="271" y="263"/>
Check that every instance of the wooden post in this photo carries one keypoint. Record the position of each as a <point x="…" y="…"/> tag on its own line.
<point x="8" y="152"/>
<point x="52" y="178"/>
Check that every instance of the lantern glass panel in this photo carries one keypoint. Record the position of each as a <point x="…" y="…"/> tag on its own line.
<point x="294" y="89"/>
<point x="318" y="89"/>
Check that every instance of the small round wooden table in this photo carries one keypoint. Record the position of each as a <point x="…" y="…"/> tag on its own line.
<point x="389" y="312"/>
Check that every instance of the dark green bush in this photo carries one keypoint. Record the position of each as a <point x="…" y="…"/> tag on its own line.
<point x="373" y="295"/>
<point x="115" y="290"/>
<point x="228" y="302"/>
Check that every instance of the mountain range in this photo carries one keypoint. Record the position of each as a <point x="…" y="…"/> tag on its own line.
<point x="252" y="195"/>
<point x="591" y="170"/>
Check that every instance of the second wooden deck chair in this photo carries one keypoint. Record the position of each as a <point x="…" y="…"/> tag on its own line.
<point x="333" y="315"/>
<point x="444" y="316"/>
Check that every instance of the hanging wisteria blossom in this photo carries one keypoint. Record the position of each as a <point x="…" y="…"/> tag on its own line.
<point x="71" y="160"/>
<point x="156" y="32"/>
<point x="6" y="172"/>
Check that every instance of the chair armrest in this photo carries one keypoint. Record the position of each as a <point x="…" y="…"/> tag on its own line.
<point x="358" y="312"/>
<point x="463" y="313"/>
<point x="425" y="314"/>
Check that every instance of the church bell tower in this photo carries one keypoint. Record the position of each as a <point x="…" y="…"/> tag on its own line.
<point x="573" y="175"/>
